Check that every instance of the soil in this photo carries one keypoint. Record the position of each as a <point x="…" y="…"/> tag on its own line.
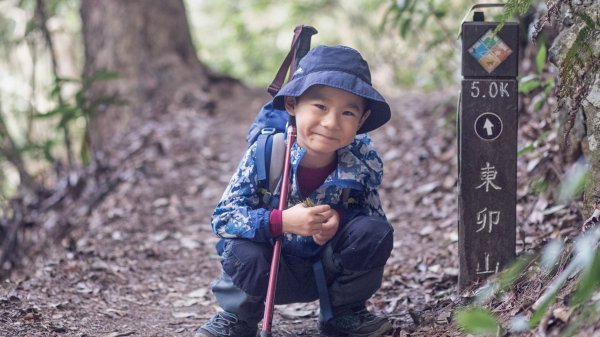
<point x="126" y="248"/>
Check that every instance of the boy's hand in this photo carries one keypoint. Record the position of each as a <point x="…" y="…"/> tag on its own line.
<point x="329" y="228"/>
<point x="305" y="221"/>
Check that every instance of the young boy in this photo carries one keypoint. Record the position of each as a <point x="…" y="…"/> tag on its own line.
<point x="332" y="100"/>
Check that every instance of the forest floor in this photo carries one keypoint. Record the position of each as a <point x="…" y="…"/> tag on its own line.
<point x="134" y="254"/>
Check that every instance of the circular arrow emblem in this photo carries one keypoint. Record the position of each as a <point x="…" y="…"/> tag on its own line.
<point x="488" y="126"/>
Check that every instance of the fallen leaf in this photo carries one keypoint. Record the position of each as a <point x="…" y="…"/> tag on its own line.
<point x="160" y="202"/>
<point x="198" y="293"/>
<point x="121" y="334"/>
<point x="184" y="314"/>
<point x="291" y="313"/>
<point x="185" y="302"/>
<point x="189" y="243"/>
<point x="116" y="311"/>
<point x="562" y="313"/>
<point x="427" y="230"/>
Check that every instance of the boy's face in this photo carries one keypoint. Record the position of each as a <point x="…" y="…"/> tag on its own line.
<point x="326" y="120"/>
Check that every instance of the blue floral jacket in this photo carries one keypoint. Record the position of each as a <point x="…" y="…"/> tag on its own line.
<point x="244" y="209"/>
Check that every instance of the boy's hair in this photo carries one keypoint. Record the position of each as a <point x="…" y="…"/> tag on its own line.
<point x="342" y="68"/>
<point x="366" y="106"/>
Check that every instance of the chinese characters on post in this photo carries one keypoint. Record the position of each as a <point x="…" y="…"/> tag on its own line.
<point x="485" y="217"/>
<point x="487" y="149"/>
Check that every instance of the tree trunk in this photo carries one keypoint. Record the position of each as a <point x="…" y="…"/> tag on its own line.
<point x="584" y="136"/>
<point x="149" y="44"/>
<point x="592" y="111"/>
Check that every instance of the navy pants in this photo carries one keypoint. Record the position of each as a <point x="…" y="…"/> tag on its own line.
<point x="353" y="261"/>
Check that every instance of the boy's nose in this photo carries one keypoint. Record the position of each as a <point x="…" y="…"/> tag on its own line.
<point x="329" y="120"/>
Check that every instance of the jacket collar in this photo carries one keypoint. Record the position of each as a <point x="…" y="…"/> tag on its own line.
<point x="357" y="163"/>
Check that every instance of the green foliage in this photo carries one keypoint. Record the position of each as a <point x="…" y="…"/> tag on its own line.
<point x="39" y="139"/>
<point x="574" y="183"/>
<point x="551" y="254"/>
<point x="590" y="280"/>
<point x="249" y="39"/>
<point x="477" y="321"/>
<point x="428" y="26"/>
<point x="582" y="257"/>
<point x="68" y="112"/>
<point x="540" y="58"/>
<point x="539" y="185"/>
<point x="532" y="146"/>
<point x="537" y="85"/>
<point x="513" y="8"/>
<point x="41" y="150"/>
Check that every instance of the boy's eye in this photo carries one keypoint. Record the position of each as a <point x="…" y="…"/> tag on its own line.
<point x="320" y="106"/>
<point x="349" y="113"/>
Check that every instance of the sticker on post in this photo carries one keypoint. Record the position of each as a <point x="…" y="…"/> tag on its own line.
<point x="488" y="126"/>
<point x="490" y="51"/>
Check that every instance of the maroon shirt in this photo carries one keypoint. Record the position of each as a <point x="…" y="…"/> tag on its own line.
<point x="309" y="179"/>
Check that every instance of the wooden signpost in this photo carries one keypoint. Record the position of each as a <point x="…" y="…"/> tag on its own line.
<point x="487" y="141"/>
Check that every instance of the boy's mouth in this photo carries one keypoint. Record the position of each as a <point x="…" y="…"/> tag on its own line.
<point x="327" y="137"/>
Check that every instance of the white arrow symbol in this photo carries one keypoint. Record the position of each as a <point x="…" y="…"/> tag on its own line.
<point x="488" y="127"/>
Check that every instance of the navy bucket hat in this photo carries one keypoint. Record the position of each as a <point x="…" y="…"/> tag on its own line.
<point x="342" y="68"/>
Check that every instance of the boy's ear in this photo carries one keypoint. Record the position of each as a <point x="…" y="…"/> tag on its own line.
<point x="290" y="104"/>
<point x="364" y="117"/>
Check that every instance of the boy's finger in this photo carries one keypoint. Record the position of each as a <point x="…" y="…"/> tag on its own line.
<point x="316" y="226"/>
<point x="317" y="219"/>
<point x="328" y="214"/>
<point x="320" y="208"/>
<point x="329" y="221"/>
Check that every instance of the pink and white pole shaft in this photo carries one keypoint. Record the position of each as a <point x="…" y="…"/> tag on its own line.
<point x="270" y="300"/>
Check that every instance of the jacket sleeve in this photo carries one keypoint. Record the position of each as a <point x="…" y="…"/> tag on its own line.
<point x="238" y="214"/>
<point x="364" y="203"/>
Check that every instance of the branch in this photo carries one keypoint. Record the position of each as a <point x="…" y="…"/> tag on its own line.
<point x="9" y="150"/>
<point x="40" y="11"/>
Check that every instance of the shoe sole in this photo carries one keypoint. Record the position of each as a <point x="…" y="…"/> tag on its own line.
<point x="385" y="328"/>
<point x="204" y="333"/>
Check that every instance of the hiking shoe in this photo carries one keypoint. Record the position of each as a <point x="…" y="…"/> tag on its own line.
<point x="357" y="322"/>
<point x="226" y="324"/>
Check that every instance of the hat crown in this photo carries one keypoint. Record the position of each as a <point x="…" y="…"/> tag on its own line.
<point x="334" y="58"/>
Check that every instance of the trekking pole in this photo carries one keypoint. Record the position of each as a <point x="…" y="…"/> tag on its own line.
<point x="303" y="46"/>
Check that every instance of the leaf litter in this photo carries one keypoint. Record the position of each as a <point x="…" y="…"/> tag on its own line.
<point x="138" y="258"/>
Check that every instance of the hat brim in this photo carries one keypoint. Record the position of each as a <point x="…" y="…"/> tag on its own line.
<point x="380" y="110"/>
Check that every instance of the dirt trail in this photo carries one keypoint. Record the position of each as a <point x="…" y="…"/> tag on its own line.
<point x="141" y="262"/>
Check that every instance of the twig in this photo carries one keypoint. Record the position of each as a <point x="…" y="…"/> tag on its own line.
<point x="587" y="224"/>
<point x="13" y="228"/>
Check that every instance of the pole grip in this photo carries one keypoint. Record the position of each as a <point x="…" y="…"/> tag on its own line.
<point x="304" y="42"/>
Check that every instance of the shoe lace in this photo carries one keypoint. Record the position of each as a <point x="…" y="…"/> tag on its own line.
<point x="364" y="314"/>
<point x="224" y="319"/>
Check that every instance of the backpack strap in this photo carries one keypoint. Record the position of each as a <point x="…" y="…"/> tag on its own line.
<point x="270" y="153"/>
<point x="324" y="300"/>
<point x="277" y="159"/>
<point x="287" y="65"/>
<point x="320" y="278"/>
<point x="263" y="158"/>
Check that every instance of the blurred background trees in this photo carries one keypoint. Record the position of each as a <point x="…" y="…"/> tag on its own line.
<point x="57" y="72"/>
<point x="51" y="84"/>
<point x="68" y="87"/>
